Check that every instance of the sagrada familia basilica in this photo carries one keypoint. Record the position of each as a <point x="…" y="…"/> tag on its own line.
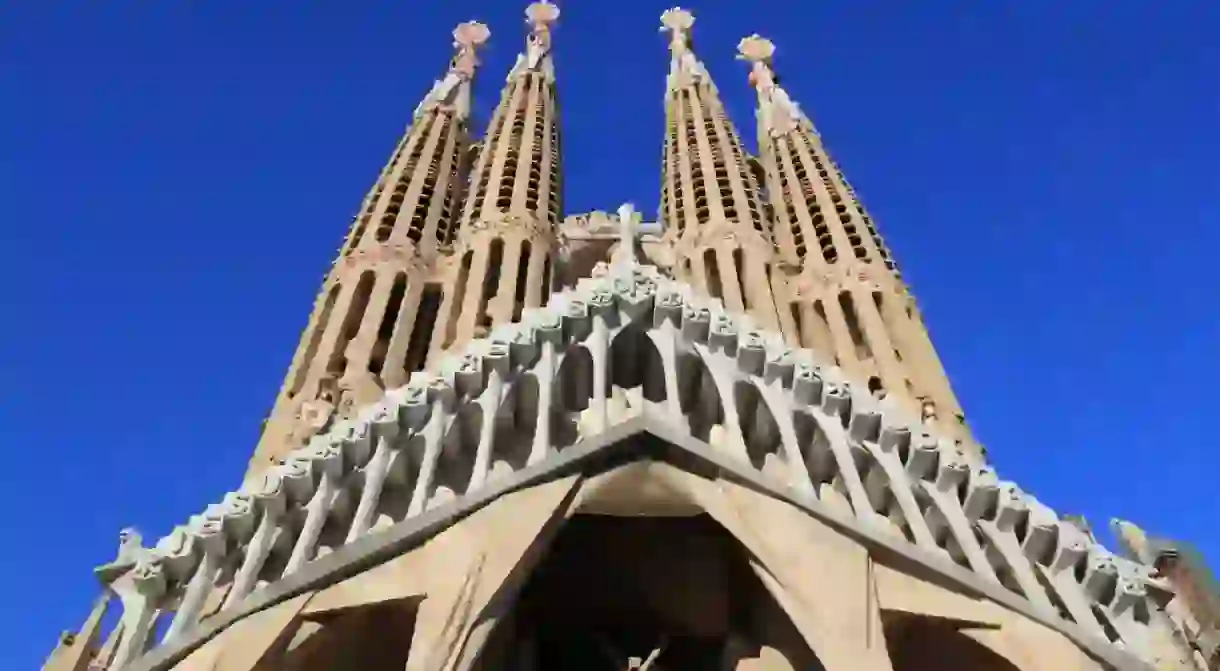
<point x="514" y="438"/>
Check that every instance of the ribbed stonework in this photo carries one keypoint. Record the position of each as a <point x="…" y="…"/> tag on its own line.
<point x="503" y="256"/>
<point x="710" y="198"/>
<point x="846" y="297"/>
<point x="363" y="336"/>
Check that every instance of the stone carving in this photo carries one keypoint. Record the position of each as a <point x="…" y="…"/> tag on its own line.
<point x="467" y="38"/>
<point x="815" y="391"/>
<point x="779" y="113"/>
<point x="683" y="66"/>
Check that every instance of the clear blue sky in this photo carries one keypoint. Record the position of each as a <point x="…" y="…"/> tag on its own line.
<point x="175" y="177"/>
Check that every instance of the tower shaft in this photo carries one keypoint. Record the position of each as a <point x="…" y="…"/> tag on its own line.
<point x="847" y="300"/>
<point x="364" y="335"/>
<point x="504" y="253"/>
<point x="710" y="199"/>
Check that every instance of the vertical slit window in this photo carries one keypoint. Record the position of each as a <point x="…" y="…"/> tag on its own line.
<point x="863" y="351"/>
<point x="491" y="281"/>
<point x="547" y="283"/>
<point x="425" y="324"/>
<point x="523" y="267"/>
<point x="351" y="323"/>
<point x="739" y="269"/>
<point x="459" y="297"/>
<point x="794" y="309"/>
<point x="389" y="319"/>
<point x="712" y="274"/>
<point x="315" y="339"/>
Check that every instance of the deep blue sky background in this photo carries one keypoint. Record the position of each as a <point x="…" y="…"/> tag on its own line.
<point x="175" y="177"/>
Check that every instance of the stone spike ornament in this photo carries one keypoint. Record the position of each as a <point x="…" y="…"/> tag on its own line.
<point x="452" y="417"/>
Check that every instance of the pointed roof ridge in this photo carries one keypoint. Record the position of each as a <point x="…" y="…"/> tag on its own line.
<point x="537" y="56"/>
<point x="685" y="68"/>
<point x="777" y="111"/>
<point x="454" y="88"/>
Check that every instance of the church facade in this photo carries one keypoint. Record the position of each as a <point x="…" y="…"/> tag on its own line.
<point x="516" y="439"/>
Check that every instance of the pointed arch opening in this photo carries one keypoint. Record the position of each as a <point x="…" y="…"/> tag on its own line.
<point x="679" y="589"/>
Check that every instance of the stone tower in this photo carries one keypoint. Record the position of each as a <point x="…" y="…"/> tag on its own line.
<point x="711" y="204"/>
<point x="507" y="243"/>
<point x="374" y="317"/>
<point x="842" y="293"/>
<point x="514" y="439"/>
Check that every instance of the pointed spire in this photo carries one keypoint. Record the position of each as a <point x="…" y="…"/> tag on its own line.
<point x="685" y="68"/>
<point x="537" y="55"/>
<point x="777" y="112"/>
<point x="454" y="89"/>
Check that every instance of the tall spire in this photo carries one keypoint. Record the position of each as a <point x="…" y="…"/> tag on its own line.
<point x="710" y="201"/>
<point x="503" y="257"/>
<point x="362" y="337"/>
<point x="848" y="299"/>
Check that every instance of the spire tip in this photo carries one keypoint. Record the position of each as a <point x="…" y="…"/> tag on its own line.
<point x="677" y="20"/>
<point x="542" y="13"/>
<point x="470" y="34"/>
<point x="756" y="49"/>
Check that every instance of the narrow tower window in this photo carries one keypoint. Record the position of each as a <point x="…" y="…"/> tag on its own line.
<point x="425" y="323"/>
<point x="739" y="269"/>
<point x="459" y="297"/>
<point x="547" y="284"/>
<point x="712" y="274"/>
<point x="389" y="319"/>
<point x="853" y="326"/>
<point x="523" y="267"/>
<point x="794" y="311"/>
<point x="351" y="323"/>
<point x="491" y="281"/>
<point x="315" y="339"/>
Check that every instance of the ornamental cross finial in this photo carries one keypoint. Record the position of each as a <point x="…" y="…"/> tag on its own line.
<point x="467" y="38"/>
<point x="758" y="51"/>
<point x="539" y="16"/>
<point x="627" y="220"/>
<point x="678" y="22"/>
<point x="779" y="114"/>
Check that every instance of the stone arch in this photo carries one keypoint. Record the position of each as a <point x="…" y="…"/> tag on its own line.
<point x="635" y="362"/>
<point x="699" y="396"/>
<point x="682" y="585"/>
<point x="759" y="429"/>
<point x="925" y="644"/>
